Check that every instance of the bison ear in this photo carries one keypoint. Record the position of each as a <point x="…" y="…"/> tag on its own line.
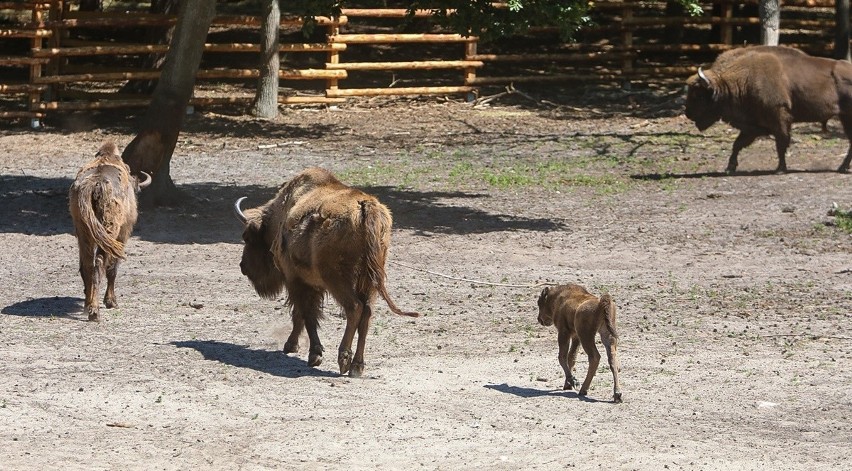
<point x="543" y="297"/>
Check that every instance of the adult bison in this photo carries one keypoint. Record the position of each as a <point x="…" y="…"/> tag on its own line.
<point x="763" y="90"/>
<point x="102" y="201"/>
<point x="320" y="236"/>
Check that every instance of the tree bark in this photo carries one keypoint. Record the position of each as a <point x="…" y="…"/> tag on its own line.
<point x="151" y="150"/>
<point x="265" y="103"/>
<point x="841" y="30"/>
<point x="770" y="22"/>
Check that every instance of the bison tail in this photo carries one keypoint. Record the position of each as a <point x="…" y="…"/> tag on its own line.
<point x="86" y="201"/>
<point x="377" y="225"/>
<point x="606" y="307"/>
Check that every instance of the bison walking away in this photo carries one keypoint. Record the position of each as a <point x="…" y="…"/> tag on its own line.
<point x="578" y="316"/>
<point x="102" y="201"/>
<point x="763" y="90"/>
<point x="320" y="236"/>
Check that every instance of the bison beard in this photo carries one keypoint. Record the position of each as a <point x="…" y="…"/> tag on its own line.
<point x="319" y="236"/>
<point x="102" y="201"/>
<point x="763" y="90"/>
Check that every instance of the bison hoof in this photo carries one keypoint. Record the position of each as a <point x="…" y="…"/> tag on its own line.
<point x="110" y="303"/>
<point x="780" y="170"/>
<point x="357" y="369"/>
<point x="569" y="384"/>
<point x="93" y="313"/>
<point x="616" y="398"/>
<point x="315" y="356"/>
<point x="583" y="392"/>
<point x="843" y="169"/>
<point x="291" y="347"/>
<point x="344" y="359"/>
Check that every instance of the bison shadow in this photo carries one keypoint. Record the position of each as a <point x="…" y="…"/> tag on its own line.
<point x="275" y="363"/>
<point x="530" y="392"/>
<point x="56" y="306"/>
<point x="34" y="205"/>
<point x="738" y="173"/>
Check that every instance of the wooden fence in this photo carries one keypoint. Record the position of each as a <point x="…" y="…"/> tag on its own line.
<point x="68" y="60"/>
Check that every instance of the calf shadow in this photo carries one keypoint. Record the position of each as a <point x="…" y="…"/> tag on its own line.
<point x="275" y="363"/>
<point x="530" y="392"/>
<point x="747" y="173"/>
<point x="56" y="306"/>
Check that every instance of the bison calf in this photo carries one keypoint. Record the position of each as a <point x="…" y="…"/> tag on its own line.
<point x="578" y="315"/>
<point x="763" y="90"/>
<point x="102" y="201"/>
<point x="319" y="236"/>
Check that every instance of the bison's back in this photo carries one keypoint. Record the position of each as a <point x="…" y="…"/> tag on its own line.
<point x="325" y="232"/>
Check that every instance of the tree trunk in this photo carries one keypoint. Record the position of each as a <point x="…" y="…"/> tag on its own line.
<point x="91" y="5"/>
<point x="841" y="30"/>
<point x="154" y="35"/>
<point x="266" y="97"/>
<point x="151" y="150"/>
<point x="770" y="22"/>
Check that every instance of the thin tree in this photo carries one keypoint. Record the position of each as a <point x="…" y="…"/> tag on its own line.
<point x="841" y="30"/>
<point x="770" y="21"/>
<point x="265" y="103"/>
<point x="151" y="150"/>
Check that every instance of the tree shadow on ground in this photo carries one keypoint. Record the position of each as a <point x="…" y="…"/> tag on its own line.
<point x="39" y="206"/>
<point x="56" y="306"/>
<point x="530" y="392"/>
<point x="275" y="363"/>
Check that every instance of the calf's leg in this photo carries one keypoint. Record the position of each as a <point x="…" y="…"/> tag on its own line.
<point x="587" y="339"/>
<point x="564" y="340"/>
<point x="846" y="121"/>
<point x="307" y="310"/>
<point x="353" y="310"/>
<point x="611" y="345"/>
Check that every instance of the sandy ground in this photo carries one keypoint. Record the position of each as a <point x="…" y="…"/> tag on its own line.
<point x="734" y="297"/>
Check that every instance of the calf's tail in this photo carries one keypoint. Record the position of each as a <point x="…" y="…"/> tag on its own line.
<point x="89" y="196"/>
<point x="377" y="223"/>
<point x="606" y="307"/>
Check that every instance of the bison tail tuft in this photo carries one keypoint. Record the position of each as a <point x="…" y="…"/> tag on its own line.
<point x="606" y="307"/>
<point x="377" y="225"/>
<point x="86" y="201"/>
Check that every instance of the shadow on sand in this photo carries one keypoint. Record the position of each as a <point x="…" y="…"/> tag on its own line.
<point x="530" y="392"/>
<point x="57" y="306"/>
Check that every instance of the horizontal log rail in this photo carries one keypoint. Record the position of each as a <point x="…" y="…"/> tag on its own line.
<point x="350" y="92"/>
<point x="399" y="38"/>
<point x="9" y="88"/>
<point x="79" y="19"/>
<point x="134" y="49"/>
<point x="411" y="65"/>
<point x="25" y="33"/>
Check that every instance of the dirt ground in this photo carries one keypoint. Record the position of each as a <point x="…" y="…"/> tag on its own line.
<point x="734" y="297"/>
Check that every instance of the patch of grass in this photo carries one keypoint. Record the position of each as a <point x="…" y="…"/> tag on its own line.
<point x="843" y="219"/>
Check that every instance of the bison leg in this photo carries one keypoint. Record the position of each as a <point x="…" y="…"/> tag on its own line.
<point x="587" y="340"/>
<point x="292" y="343"/>
<point x="564" y="340"/>
<point x="846" y="121"/>
<point x="111" y="272"/>
<point x="90" y="270"/>
<point x="741" y="142"/>
<point x="307" y="309"/>
<point x="363" y="328"/>
<point x="782" y="142"/>
<point x="353" y="320"/>
<point x="611" y="345"/>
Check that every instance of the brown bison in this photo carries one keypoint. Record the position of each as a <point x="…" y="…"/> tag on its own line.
<point x="578" y="316"/>
<point x="320" y="236"/>
<point x="763" y="90"/>
<point x="102" y="201"/>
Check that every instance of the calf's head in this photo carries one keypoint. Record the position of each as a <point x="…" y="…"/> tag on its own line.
<point x="701" y="100"/>
<point x="545" y="316"/>
<point x="257" y="263"/>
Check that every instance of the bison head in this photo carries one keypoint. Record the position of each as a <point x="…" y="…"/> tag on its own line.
<point x="257" y="263"/>
<point x="701" y="105"/>
<point x="545" y="316"/>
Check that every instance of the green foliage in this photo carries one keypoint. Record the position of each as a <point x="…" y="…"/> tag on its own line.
<point x="476" y="17"/>
<point x="843" y="219"/>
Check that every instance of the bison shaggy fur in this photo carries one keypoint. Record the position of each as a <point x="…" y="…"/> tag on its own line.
<point x="102" y="201"/>
<point x="319" y="236"/>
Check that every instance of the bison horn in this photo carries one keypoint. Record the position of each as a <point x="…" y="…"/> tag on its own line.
<point x="703" y="77"/>
<point x="146" y="182"/>
<point x="239" y="212"/>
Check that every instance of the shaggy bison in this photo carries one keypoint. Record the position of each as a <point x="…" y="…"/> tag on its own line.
<point x="320" y="236"/>
<point x="102" y="201"/>
<point x="763" y="90"/>
<point x="578" y="316"/>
